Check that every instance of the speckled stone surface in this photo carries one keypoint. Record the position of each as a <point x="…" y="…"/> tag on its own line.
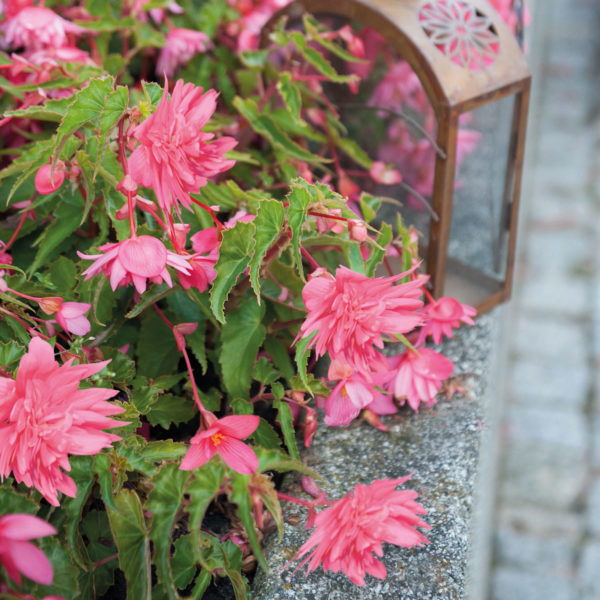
<point x="442" y="446"/>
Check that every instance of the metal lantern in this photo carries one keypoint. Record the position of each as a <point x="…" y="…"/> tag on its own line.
<point x="469" y="63"/>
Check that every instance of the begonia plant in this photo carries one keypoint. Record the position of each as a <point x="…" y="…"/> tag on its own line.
<point x="193" y="263"/>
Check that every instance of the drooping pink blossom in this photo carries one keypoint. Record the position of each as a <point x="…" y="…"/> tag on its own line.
<point x="36" y="27"/>
<point x="223" y="438"/>
<point x="350" y="312"/>
<point x="135" y="260"/>
<point x="418" y="376"/>
<point x="443" y="315"/>
<point x="350" y="395"/>
<point x="181" y="45"/>
<point x="18" y="555"/>
<point x="47" y="182"/>
<point x="205" y="244"/>
<point x="175" y="157"/>
<point x="71" y="317"/>
<point x="350" y="531"/>
<point x="44" y="418"/>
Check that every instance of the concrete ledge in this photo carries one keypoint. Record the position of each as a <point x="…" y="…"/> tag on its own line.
<point x="444" y="446"/>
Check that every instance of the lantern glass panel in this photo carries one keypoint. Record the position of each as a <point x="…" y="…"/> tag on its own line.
<point x="484" y="182"/>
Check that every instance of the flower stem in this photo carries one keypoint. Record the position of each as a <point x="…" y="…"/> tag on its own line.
<point x="309" y="258"/>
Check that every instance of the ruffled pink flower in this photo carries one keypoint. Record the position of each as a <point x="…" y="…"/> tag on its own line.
<point x="19" y="556"/>
<point x="442" y="316"/>
<point x="181" y="45"/>
<point x="71" y="317"/>
<point x="418" y="376"/>
<point x="353" y="528"/>
<point x="223" y="437"/>
<point x="350" y="312"/>
<point x="351" y="394"/>
<point x="175" y="156"/>
<point x="135" y="260"/>
<point x="44" y="418"/>
<point x="36" y="27"/>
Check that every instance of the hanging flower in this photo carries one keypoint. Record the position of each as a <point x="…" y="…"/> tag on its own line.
<point x="443" y="315"/>
<point x="44" y="418"/>
<point x="47" y="182"/>
<point x="175" y="156"/>
<point x="417" y="376"/>
<point x="181" y="45"/>
<point x="223" y="438"/>
<point x="19" y="556"/>
<point x="350" y="312"/>
<point x="135" y="260"/>
<point x="353" y="528"/>
<point x="348" y="397"/>
<point x="205" y="244"/>
<point x="71" y="317"/>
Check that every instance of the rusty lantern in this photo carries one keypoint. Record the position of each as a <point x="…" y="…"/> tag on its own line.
<point x="472" y="70"/>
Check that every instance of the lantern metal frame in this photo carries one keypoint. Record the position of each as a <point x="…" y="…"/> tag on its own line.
<point x="452" y="89"/>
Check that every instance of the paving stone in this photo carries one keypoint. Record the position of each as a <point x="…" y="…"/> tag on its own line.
<point x="560" y="428"/>
<point x="590" y="564"/>
<point x="550" y="382"/>
<point x="535" y="554"/>
<point x="514" y="584"/>
<point x="549" y="475"/>
<point x="541" y="522"/>
<point x="593" y="509"/>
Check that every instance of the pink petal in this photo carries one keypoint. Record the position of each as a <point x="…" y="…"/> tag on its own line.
<point x="197" y="455"/>
<point x="31" y="562"/>
<point x="144" y="256"/>
<point x="238" y="456"/>
<point x="238" y="426"/>
<point x="21" y="527"/>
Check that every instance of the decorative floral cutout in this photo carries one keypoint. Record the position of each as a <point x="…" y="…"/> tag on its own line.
<point x="461" y="32"/>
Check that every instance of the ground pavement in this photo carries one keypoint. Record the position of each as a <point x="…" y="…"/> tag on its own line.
<point x="547" y="531"/>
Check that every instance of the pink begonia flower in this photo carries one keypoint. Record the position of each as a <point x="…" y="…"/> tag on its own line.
<point x="47" y="182"/>
<point x="71" y="317"/>
<point x="175" y="156"/>
<point x="19" y="556"/>
<point x="36" y="27"/>
<point x="223" y="437"/>
<point x="354" y="527"/>
<point x="382" y="173"/>
<point x="348" y="397"/>
<point x="44" y="418"/>
<point x="418" y="376"/>
<point x="254" y="15"/>
<point x="206" y="245"/>
<point x="181" y="45"/>
<point x="350" y="312"/>
<point x="135" y="260"/>
<point x="443" y="315"/>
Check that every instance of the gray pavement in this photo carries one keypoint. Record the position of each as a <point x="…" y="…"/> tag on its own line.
<point x="547" y="529"/>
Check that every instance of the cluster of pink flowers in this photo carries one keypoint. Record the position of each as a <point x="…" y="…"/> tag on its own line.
<point x="44" y="417"/>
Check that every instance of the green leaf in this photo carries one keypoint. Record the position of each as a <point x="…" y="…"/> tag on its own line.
<point x="156" y="348"/>
<point x="378" y="253"/>
<point x="277" y="460"/>
<point x="153" y="91"/>
<point x="131" y="537"/>
<point x="170" y="409"/>
<point x="12" y="501"/>
<point x="290" y="94"/>
<point x="264" y="371"/>
<point x="299" y="199"/>
<point x="68" y="216"/>
<point x="240" y="495"/>
<point x="148" y="37"/>
<point x="164" y="450"/>
<point x="183" y="563"/>
<point x="102" y="468"/>
<point x="352" y="149"/>
<point x="268" y="223"/>
<point x="264" y="125"/>
<point x="254" y="58"/>
<point x="265" y="436"/>
<point x="312" y="28"/>
<point x="302" y="354"/>
<point x="281" y="358"/>
<point x="369" y="205"/>
<point x="115" y="105"/>
<point x="10" y="353"/>
<point x="65" y="582"/>
<point x="202" y="488"/>
<point x="164" y="502"/>
<point x="51" y="110"/>
<point x="286" y="422"/>
<point x="87" y="105"/>
<point x="355" y="259"/>
<point x="62" y="273"/>
<point x="241" y="339"/>
<point x="234" y="256"/>
<point x="318" y="61"/>
<point x="152" y="295"/>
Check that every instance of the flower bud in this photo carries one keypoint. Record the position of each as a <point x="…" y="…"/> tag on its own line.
<point x="50" y="305"/>
<point x="47" y="182"/>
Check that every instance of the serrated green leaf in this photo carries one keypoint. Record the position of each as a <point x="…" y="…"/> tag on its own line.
<point x="290" y="94"/>
<point x="234" y="256"/>
<point x="63" y="273"/>
<point x="299" y="199"/>
<point x="265" y="436"/>
<point x="156" y="348"/>
<point x="102" y="466"/>
<point x="163" y="450"/>
<point x="241" y="338"/>
<point x="65" y="582"/>
<point x="268" y="223"/>
<point x="131" y="537"/>
<point x="169" y="409"/>
<point x="164" y="502"/>
<point x="254" y="58"/>
<point x="378" y="253"/>
<point x="51" y="110"/>
<point x="13" y="501"/>
<point x="264" y="125"/>
<point x="352" y="149"/>
<point x="240" y="496"/>
<point x="11" y="352"/>
<point x="312" y="28"/>
<point x="286" y="422"/>
<point x="148" y="298"/>
<point x="355" y="258"/>
<point x="277" y="460"/>
<point x="369" y="205"/>
<point x="264" y="371"/>
<point x="302" y="354"/>
<point x="183" y="563"/>
<point x="148" y="37"/>
<point x="202" y="488"/>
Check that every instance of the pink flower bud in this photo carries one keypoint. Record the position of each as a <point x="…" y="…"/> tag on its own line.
<point x="358" y="230"/>
<point x="181" y="231"/>
<point x="50" y="305"/>
<point x="127" y="184"/>
<point x="382" y="173"/>
<point x="186" y="328"/>
<point x="45" y="183"/>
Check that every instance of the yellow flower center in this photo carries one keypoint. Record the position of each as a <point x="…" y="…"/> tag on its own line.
<point x="217" y="438"/>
